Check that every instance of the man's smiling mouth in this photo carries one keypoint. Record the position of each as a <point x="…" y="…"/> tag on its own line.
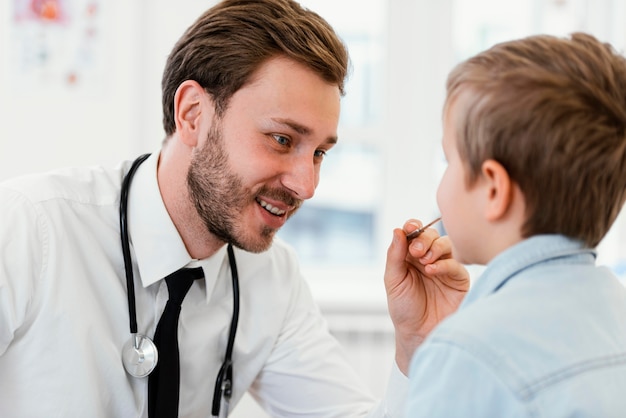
<point x="273" y="210"/>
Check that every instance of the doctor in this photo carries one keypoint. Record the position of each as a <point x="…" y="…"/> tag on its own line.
<point x="91" y="258"/>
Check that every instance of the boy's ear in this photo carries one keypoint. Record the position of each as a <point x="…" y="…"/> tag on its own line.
<point x="499" y="189"/>
<point x="192" y="108"/>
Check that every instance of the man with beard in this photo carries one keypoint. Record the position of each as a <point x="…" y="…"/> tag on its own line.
<point x="251" y="98"/>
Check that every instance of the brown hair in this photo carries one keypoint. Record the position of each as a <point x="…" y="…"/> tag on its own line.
<point x="225" y="46"/>
<point x="552" y="111"/>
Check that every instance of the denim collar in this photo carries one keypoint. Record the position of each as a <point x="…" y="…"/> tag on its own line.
<point x="530" y="252"/>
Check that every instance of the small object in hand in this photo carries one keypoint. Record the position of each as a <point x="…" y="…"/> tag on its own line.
<point x="419" y="231"/>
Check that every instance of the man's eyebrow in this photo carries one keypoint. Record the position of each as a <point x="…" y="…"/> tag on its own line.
<point x="301" y="129"/>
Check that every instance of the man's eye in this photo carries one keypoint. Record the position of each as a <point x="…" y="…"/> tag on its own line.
<point x="320" y="153"/>
<point x="281" y="139"/>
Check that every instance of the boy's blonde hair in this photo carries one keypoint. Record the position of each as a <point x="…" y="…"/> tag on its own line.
<point x="552" y="111"/>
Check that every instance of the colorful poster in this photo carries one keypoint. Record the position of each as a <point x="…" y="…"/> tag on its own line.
<point x="56" y="44"/>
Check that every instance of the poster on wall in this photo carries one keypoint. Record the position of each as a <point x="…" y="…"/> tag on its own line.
<point x="57" y="45"/>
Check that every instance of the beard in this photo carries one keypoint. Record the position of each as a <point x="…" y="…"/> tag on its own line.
<point x="220" y="197"/>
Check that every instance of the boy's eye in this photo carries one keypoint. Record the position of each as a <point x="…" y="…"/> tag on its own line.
<point x="320" y="153"/>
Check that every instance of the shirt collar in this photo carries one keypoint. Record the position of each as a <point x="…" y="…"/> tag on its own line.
<point x="158" y="248"/>
<point x="531" y="251"/>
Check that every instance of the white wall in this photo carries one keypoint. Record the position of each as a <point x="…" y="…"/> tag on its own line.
<point x="45" y="124"/>
<point x="114" y="112"/>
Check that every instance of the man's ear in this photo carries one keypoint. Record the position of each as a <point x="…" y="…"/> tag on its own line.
<point x="192" y="109"/>
<point x="499" y="189"/>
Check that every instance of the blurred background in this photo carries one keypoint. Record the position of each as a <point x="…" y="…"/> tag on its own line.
<point x="80" y="85"/>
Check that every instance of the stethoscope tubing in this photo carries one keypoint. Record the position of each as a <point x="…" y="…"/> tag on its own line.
<point x="224" y="381"/>
<point x="128" y="266"/>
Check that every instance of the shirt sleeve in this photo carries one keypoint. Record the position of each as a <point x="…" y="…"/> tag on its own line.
<point x="21" y="253"/>
<point x="308" y="373"/>
<point x="394" y="402"/>
<point x="447" y="381"/>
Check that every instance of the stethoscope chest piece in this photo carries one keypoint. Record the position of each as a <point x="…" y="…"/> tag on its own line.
<point x="140" y="356"/>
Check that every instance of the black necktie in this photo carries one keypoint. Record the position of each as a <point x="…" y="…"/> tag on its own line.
<point x="164" y="381"/>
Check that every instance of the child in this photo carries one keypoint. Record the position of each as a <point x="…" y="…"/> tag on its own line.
<point x="535" y="138"/>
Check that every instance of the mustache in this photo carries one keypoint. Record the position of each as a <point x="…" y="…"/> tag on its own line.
<point x="281" y="195"/>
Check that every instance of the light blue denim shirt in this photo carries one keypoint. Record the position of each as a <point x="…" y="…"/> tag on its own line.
<point x="542" y="333"/>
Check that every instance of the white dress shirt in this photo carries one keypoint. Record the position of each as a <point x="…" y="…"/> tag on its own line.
<point x="64" y="310"/>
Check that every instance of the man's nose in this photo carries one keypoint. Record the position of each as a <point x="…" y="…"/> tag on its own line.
<point x="301" y="177"/>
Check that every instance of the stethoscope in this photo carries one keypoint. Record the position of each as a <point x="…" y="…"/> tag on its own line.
<point x="140" y="355"/>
